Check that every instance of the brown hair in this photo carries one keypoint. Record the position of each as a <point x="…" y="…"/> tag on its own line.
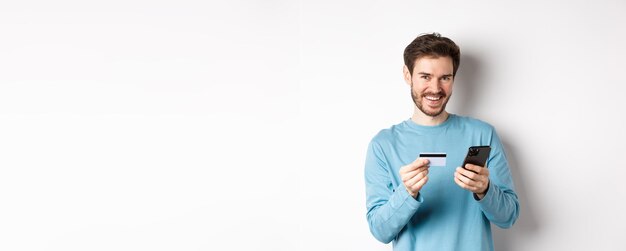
<point x="432" y="45"/>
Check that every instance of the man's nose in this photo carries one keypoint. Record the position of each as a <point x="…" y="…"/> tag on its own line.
<point x="435" y="85"/>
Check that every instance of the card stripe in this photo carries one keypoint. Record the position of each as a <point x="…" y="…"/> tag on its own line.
<point x="433" y="155"/>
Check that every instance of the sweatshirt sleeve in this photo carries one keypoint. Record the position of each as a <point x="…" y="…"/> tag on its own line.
<point x="500" y="205"/>
<point x="389" y="207"/>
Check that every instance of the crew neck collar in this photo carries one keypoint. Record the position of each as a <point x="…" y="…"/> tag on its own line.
<point x="411" y="124"/>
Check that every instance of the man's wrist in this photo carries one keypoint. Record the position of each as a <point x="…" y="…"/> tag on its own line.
<point x="414" y="195"/>
<point x="480" y="196"/>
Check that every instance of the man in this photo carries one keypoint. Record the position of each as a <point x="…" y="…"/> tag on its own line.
<point x="420" y="206"/>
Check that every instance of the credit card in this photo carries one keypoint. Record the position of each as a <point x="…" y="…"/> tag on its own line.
<point x="436" y="159"/>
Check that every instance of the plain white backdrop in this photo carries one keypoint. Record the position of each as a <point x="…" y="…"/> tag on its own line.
<point x="242" y="125"/>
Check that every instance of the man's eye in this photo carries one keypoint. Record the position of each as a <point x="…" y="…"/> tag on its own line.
<point x="426" y="77"/>
<point x="446" y="78"/>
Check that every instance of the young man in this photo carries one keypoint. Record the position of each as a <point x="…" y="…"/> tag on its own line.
<point x="438" y="206"/>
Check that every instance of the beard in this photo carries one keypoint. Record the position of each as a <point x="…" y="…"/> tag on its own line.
<point x="417" y="99"/>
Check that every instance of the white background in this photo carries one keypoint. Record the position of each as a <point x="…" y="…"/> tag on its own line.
<point x="242" y="125"/>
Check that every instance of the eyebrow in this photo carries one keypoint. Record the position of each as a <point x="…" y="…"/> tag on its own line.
<point x="428" y="74"/>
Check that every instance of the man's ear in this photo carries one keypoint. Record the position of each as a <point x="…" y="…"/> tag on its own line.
<point x="407" y="75"/>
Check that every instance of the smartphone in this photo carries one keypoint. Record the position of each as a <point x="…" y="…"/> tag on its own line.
<point x="477" y="155"/>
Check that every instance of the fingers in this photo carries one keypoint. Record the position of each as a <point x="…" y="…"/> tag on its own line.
<point x="480" y="175"/>
<point x="475" y="180"/>
<point x="415" y="179"/>
<point x="418" y="186"/>
<point x="416" y="183"/>
<point x="462" y="184"/>
<point x="418" y="163"/>
<point x="409" y="175"/>
<point x="472" y="175"/>
<point x="421" y="162"/>
<point x="415" y="175"/>
<point x="469" y="183"/>
<point x="478" y="188"/>
<point x="474" y="168"/>
<point x="459" y="182"/>
<point x="471" y="171"/>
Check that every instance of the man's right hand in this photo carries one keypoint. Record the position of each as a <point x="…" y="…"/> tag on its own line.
<point x="414" y="176"/>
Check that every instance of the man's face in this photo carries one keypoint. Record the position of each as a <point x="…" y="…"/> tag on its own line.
<point x="431" y="84"/>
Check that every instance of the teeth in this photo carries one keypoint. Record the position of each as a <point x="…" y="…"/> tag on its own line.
<point x="432" y="98"/>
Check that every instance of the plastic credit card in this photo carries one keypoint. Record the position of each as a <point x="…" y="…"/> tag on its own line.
<point x="436" y="159"/>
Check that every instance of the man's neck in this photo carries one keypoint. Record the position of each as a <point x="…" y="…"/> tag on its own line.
<point x="422" y="119"/>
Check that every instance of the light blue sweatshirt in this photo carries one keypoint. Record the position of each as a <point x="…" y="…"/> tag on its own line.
<point x="444" y="216"/>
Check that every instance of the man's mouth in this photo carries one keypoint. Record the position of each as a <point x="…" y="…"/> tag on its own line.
<point x="433" y="97"/>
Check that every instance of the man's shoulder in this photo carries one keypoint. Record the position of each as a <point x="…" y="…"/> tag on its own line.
<point x="387" y="135"/>
<point x="473" y="123"/>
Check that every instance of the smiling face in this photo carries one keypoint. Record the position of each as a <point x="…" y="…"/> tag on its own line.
<point x="431" y="84"/>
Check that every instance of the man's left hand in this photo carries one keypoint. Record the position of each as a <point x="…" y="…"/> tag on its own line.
<point x="474" y="178"/>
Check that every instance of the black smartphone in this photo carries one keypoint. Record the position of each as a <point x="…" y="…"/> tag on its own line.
<point x="477" y="155"/>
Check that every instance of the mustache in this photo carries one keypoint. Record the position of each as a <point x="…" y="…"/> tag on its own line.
<point x="440" y="93"/>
